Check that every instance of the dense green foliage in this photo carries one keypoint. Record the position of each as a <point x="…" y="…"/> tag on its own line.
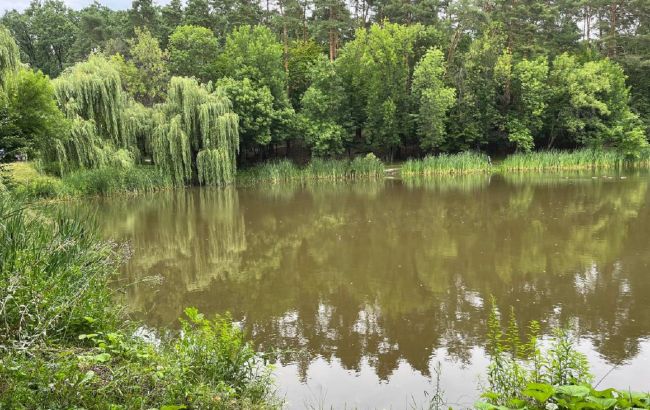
<point x="61" y="343"/>
<point x="28" y="113"/>
<point x="399" y="80"/>
<point x="193" y="52"/>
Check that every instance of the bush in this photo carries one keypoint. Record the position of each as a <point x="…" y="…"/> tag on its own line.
<point x="207" y="366"/>
<point x="61" y="346"/>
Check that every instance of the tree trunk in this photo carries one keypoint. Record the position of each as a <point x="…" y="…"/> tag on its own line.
<point x="285" y="37"/>
<point x="611" y="52"/>
<point x="304" y="21"/>
<point x="333" y="35"/>
<point x="588" y="24"/>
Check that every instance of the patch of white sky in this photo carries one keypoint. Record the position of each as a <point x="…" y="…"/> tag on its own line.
<point x="20" y="5"/>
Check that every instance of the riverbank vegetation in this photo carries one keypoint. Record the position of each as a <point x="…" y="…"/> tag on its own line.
<point x="65" y="344"/>
<point x="24" y="180"/>
<point x="531" y="374"/>
<point x="552" y="160"/>
<point x="369" y="167"/>
<point x="176" y="88"/>
<point x="574" y="160"/>
<point x="464" y="163"/>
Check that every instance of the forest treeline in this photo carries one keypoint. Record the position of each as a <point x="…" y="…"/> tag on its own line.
<point x="196" y="87"/>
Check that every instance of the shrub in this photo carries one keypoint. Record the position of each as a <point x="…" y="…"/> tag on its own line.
<point x="207" y="366"/>
<point x="61" y="346"/>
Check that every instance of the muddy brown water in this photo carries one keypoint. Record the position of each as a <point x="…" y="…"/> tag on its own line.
<point x="368" y="285"/>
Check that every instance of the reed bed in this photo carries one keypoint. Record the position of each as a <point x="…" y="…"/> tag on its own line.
<point x="444" y="164"/>
<point x="318" y="169"/>
<point x="564" y="160"/>
<point x="554" y="160"/>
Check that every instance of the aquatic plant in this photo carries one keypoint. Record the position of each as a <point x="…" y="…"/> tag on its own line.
<point x="515" y="364"/>
<point x="114" y="180"/>
<point x="462" y="163"/>
<point x="564" y="160"/>
<point x="368" y="166"/>
<point x="553" y="160"/>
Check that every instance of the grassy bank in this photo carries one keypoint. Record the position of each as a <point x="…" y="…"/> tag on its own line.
<point x="64" y="343"/>
<point x="25" y="180"/>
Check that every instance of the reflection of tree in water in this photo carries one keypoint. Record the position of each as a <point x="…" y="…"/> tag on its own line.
<point x="392" y="271"/>
<point x="190" y="238"/>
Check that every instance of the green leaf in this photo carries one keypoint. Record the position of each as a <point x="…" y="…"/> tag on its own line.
<point x="538" y="391"/>
<point x="481" y="405"/>
<point x="490" y="395"/>
<point x="517" y="403"/>
<point x="173" y="407"/>
<point x="88" y="377"/>
<point x="101" y="358"/>
<point x="605" y="394"/>
<point x="574" y="391"/>
<point x="603" y="403"/>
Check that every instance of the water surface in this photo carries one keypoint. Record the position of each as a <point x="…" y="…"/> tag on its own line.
<point x="368" y="285"/>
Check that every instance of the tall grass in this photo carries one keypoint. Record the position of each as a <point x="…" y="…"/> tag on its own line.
<point x="108" y="181"/>
<point x="318" y="169"/>
<point x="53" y="274"/>
<point x="27" y="182"/>
<point x="463" y="163"/>
<point x="469" y="162"/>
<point x="571" y="160"/>
<point x="62" y="345"/>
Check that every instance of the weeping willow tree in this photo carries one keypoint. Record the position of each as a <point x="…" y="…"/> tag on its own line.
<point x="92" y="90"/>
<point x="139" y="124"/>
<point x="9" y="59"/>
<point x="198" y="136"/>
<point x="101" y="134"/>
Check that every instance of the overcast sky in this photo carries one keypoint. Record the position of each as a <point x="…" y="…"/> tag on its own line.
<point x="75" y="4"/>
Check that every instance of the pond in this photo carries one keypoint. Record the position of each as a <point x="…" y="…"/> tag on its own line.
<point x="366" y="286"/>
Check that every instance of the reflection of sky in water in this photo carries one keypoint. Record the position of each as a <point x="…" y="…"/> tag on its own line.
<point x="367" y="285"/>
<point x="333" y="386"/>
